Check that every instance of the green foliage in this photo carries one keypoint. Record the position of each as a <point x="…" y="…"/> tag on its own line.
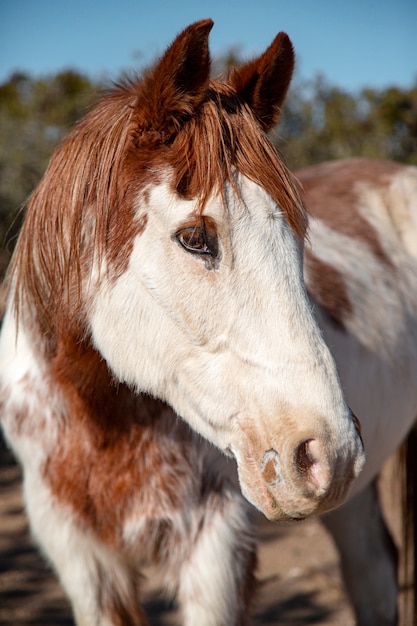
<point x="34" y="116"/>
<point x="320" y="122"/>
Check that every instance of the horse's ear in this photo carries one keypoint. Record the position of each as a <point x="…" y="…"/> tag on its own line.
<point x="177" y="84"/>
<point x="263" y="82"/>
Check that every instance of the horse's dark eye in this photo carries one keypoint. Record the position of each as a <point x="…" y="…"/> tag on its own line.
<point x="199" y="237"/>
<point x="194" y="240"/>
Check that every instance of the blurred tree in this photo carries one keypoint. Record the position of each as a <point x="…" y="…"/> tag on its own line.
<point x="392" y="122"/>
<point x="222" y="63"/>
<point x="319" y="122"/>
<point x="34" y="116"/>
<point x="322" y="122"/>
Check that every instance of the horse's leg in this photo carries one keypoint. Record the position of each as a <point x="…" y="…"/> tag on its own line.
<point x="216" y="581"/>
<point x="102" y="587"/>
<point x="368" y="558"/>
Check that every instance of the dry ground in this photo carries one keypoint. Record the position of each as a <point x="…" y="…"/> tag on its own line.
<point x="299" y="574"/>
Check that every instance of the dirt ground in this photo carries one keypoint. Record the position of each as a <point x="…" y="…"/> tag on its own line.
<point x="299" y="573"/>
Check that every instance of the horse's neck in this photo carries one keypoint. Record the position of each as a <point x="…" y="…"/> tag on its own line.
<point x="71" y="390"/>
<point x="363" y="287"/>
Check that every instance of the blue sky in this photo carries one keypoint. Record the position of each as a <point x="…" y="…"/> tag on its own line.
<point x="354" y="43"/>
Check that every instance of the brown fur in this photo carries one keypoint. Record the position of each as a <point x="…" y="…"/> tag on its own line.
<point x="123" y="609"/>
<point x="331" y="194"/>
<point x="116" y="451"/>
<point x="267" y="97"/>
<point x="326" y="286"/>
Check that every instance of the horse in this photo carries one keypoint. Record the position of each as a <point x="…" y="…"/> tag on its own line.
<point x="360" y="269"/>
<point x="158" y="307"/>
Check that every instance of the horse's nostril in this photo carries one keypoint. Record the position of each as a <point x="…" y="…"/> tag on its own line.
<point x="303" y="457"/>
<point x="311" y="466"/>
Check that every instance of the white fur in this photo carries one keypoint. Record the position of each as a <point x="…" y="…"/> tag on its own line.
<point x="25" y="393"/>
<point x="230" y="347"/>
<point x="207" y="592"/>
<point x="377" y="362"/>
<point x="377" y="356"/>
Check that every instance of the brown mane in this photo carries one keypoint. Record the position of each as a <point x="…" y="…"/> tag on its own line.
<point x="84" y="208"/>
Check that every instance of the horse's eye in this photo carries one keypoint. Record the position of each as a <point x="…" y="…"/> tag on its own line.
<point x="200" y="237"/>
<point x="194" y="240"/>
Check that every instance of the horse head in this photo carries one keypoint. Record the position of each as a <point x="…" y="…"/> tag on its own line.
<point x="167" y="235"/>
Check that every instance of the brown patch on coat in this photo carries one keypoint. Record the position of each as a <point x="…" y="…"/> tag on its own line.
<point x="332" y="193"/>
<point x="116" y="452"/>
<point x="327" y="287"/>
